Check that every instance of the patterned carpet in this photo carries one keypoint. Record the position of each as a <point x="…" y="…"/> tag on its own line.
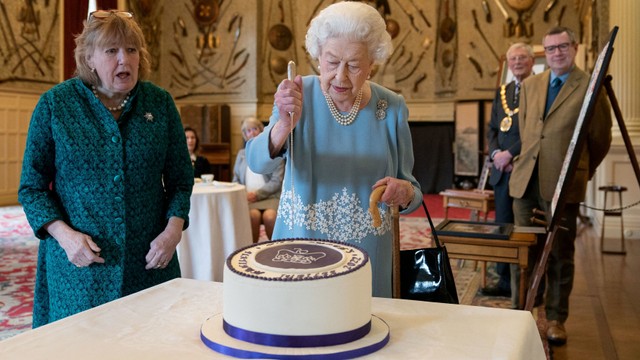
<point x="18" y="251"/>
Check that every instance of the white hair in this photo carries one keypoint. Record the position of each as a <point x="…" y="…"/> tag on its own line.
<point x="520" y="45"/>
<point x="352" y="20"/>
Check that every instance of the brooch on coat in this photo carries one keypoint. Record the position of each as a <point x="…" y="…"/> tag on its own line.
<point x="381" y="109"/>
<point x="149" y="117"/>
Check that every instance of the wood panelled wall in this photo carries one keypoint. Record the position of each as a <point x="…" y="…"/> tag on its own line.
<point x="15" y="113"/>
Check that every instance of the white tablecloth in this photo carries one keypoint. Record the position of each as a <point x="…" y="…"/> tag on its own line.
<point x="164" y="322"/>
<point x="219" y="224"/>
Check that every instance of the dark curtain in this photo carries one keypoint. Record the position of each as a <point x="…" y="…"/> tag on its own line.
<point x="433" y="153"/>
<point x="75" y="12"/>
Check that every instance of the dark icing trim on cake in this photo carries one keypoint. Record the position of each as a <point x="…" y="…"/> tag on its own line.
<point x="255" y="273"/>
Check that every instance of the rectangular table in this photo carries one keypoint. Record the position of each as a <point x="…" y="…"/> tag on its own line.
<point x="475" y="200"/>
<point x="164" y="322"/>
<point x="512" y="251"/>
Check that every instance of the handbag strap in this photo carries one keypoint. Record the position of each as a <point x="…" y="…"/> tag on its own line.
<point x="433" y="229"/>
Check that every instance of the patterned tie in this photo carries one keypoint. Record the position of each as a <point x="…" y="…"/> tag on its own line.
<point x="516" y="94"/>
<point x="554" y="89"/>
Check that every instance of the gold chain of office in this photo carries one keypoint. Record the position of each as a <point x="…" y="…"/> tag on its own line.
<point x="506" y="123"/>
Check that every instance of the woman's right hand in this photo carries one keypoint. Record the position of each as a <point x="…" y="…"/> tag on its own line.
<point x="80" y="248"/>
<point x="288" y="99"/>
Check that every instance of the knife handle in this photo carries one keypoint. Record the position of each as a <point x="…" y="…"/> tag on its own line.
<point x="291" y="70"/>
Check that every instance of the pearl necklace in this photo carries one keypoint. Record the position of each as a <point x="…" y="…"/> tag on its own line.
<point x="349" y="118"/>
<point x="113" y="109"/>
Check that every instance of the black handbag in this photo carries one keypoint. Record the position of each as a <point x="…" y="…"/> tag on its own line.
<point x="425" y="274"/>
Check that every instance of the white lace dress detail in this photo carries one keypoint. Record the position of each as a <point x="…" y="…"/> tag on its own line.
<point x="341" y="218"/>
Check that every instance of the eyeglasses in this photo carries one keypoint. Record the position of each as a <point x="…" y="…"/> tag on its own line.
<point x="552" y="48"/>
<point x="103" y="14"/>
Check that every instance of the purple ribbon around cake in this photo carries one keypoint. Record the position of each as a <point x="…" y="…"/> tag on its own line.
<point x="248" y="354"/>
<point x="296" y="341"/>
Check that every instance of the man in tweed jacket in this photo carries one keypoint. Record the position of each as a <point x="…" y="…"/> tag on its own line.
<point x="546" y="129"/>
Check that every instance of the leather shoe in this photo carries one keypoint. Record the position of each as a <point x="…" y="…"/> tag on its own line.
<point x="495" y="291"/>
<point x="556" y="333"/>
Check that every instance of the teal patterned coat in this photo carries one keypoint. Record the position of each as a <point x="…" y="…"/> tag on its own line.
<point x="118" y="184"/>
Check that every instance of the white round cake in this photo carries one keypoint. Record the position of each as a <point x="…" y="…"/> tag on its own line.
<point x="297" y="293"/>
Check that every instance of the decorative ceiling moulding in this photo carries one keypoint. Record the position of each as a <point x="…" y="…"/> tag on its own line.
<point x="29" y="45"/>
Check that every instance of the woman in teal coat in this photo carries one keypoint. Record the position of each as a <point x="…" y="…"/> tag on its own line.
<point x="106" y="176"/>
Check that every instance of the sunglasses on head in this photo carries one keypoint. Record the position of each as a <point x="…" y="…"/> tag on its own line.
<point x="103" y="14"/>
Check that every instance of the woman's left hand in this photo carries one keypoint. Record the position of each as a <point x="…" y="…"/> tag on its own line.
<point x="398" y="193"/>
<point x="164" y="245"/>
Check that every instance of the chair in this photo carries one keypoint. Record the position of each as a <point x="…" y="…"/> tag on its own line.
<point x="613" y="213"/>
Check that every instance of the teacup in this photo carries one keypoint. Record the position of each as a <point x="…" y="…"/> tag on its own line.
<point x="207" y="178"/>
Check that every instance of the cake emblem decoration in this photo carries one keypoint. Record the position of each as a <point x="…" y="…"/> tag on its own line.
<point x="298" y="256"/>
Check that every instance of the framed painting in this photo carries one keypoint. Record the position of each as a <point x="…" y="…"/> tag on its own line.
<point x="475" y="229"/>
<point x="467" y="138"/>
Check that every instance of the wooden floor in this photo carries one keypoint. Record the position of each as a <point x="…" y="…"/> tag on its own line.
<point x="604" y="318"/>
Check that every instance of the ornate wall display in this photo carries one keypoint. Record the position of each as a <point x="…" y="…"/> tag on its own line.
<point x="280" y="43"/>
<point x="148" y="13"/>
<point x="444" y="51"/>
<point x="208" y="48"/>
<point x="29" y="44"/>
<point x="445" y="56"/>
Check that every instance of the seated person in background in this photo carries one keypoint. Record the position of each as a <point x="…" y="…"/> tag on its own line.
<point x="263" y="191"/>
<point x="200" y="164"/>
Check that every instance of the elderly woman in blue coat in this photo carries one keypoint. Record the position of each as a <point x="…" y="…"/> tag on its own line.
<point x="106" y="176"/>
<point x="342" y="136"/>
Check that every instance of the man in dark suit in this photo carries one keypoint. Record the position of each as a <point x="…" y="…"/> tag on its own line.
<point x="550" y="105"/>
<point x="504" y="141"/>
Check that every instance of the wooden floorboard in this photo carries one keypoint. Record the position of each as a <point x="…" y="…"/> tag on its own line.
<point x="604" y="319"/>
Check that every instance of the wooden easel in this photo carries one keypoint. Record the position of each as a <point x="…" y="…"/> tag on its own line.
<point x="541" y="264"/>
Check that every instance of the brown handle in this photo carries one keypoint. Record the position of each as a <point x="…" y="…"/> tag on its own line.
<point x="374" y="198"/>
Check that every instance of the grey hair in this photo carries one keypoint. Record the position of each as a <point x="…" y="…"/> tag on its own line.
<point x="250" y="121"/>
<point x="521" y="45"/>
<point x="354" y="21"/>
